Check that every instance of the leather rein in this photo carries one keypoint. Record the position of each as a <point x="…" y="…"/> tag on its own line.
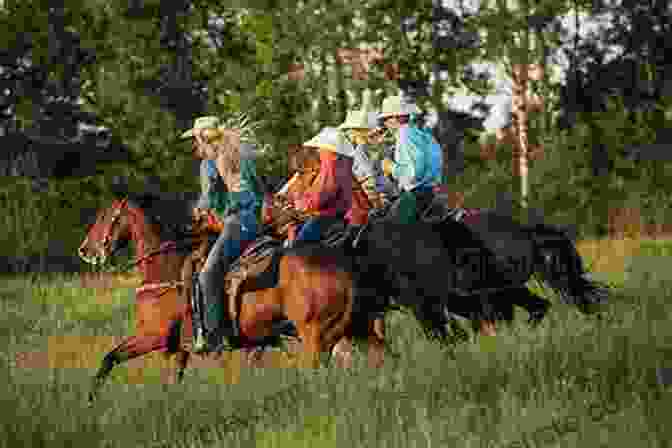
<point x="167" y="246"/>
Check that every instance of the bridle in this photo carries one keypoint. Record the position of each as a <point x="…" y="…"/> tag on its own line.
<point x="107" y="238"/>
<point x="116" y="216"/>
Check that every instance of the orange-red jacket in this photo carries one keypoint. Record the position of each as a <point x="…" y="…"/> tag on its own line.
<point x="331" y="192"/>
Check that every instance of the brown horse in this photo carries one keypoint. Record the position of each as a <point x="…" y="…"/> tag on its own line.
<point x="315" y="290"/>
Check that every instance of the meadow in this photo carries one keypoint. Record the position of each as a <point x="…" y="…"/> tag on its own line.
<point x="574" y="381"/>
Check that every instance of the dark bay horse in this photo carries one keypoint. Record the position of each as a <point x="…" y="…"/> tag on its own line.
<point x="315" y="288"/>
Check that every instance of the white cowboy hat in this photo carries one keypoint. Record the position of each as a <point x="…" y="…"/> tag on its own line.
<point x="395" y="105"/>
<point x="355" y="119"/>
<point x="209" y="122"/>
<point x="330" y="139"/>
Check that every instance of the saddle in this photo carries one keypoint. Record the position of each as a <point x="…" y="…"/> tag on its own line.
<point x="438" y="212"/>
<point x="257" y="268"/>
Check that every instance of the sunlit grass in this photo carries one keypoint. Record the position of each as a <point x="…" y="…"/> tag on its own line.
<point x="498" y="393"/>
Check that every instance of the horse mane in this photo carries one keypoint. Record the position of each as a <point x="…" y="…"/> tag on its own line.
<point x="172" y="216"/>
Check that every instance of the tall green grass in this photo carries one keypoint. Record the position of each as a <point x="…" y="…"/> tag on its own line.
<point x="575" y="381"/>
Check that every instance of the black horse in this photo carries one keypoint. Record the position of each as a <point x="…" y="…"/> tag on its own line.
<point x="476" y="269"/>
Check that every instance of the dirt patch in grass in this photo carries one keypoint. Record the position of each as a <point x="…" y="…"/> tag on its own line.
<point x="609" y="256"/>
<point x="66" y="352"/>
<point x="106" y="281"/>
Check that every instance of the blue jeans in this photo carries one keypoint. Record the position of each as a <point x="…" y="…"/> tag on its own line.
<point x="223" y="253"/>
<point x="313" y="229"/>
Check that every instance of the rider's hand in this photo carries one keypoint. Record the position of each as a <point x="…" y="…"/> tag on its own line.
<point x="376" y="137"/>
<point x="387" y="167"/>
<point x="300" y="205"/>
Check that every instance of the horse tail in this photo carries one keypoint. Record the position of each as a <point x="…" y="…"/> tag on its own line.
<point x="560" y="266"/>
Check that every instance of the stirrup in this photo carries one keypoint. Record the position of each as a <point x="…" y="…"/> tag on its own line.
<point x="200" y="344"/>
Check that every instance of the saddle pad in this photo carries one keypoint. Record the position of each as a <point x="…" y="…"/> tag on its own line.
<point x="438" y="212"/>
<point x="257" y="268"/>
<point x="259" y="245"/>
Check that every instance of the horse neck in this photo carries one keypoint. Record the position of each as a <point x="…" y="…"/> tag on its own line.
<point x="159" y="267"/>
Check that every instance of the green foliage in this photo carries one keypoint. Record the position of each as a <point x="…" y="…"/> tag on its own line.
<point x="240" y="56"/>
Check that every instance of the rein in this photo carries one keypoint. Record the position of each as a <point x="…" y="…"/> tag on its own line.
<point x="165" y="247"/>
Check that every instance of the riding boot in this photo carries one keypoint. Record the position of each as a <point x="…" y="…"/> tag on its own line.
<point x="234" y="337"/>
<point x="199" y="330"/>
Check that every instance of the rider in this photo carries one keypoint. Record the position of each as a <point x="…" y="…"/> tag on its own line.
<point x="418" y="159"/>
<point x="355" y="130"/>
<point x="237" y="206"/>
<point x="330" y="196"/>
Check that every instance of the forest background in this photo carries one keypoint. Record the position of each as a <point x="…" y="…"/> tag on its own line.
<point x="95" y="93"/>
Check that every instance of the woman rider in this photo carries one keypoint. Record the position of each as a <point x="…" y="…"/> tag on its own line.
<point x="237" y="206"/>
<point x="355" y="130"/>
<point x="329" y="198"/>
<point x="418" y="160"/>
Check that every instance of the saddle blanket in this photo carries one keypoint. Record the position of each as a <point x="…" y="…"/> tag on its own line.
<point x="258" y="267"/>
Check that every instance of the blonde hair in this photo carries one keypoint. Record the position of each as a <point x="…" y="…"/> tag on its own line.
<point x="226" y="144"/>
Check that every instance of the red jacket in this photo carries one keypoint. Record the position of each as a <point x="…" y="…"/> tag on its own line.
<point x="331" y="192"/>
<point x="358" y="215"/>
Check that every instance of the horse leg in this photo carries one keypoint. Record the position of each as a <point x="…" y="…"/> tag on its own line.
<point x="309" y="357"/>
<point x="182" y="358"/>
<point x="432" y="322"/>
<point x="459" y="333"/>
<point x="342" y="352"/>
<point x="129" y="348"/>
<point x="377" y="345"/>
<point x="487" y="328"/>
<point x="536" y="306"/>
<point x="487" y="322"/>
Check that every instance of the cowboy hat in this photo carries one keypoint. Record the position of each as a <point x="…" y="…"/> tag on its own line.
<point x="330" y="139"/>
<point x="209" y="122"/>
<point x="395" y="105"/>
<point x="355" y="119"/>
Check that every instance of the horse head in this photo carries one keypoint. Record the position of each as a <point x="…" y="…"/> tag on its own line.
<point x="142" y="218"/>
<point x="110" y="233"/>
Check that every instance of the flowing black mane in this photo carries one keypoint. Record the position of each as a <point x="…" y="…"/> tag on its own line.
<point x="171" y="215"/>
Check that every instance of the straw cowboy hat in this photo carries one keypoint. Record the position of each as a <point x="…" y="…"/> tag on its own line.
<point x="357" y="119"/>
<point x="330" y="139"/>
<point x="395" y="106"/>
<point x="209" y="122"/>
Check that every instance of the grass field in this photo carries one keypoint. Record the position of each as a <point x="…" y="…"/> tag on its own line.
<point x="575" y="381"/>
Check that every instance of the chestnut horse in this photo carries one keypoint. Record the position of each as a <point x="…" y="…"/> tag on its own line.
<point x="315" y="289"/>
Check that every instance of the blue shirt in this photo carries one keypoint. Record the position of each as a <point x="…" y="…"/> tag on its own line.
<point x="418" y="159"/>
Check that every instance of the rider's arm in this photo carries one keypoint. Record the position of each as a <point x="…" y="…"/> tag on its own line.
<point x="205" y="182"/>
<point x="365" y="174"/>
<point x="404" y="164"/>
<point x="329" y="185"/>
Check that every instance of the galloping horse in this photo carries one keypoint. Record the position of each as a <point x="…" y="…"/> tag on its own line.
<point x="315" y="289"/>
<point x="512" y="252"/>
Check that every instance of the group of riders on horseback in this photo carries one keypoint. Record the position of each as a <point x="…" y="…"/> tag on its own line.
<point x="363" y="239"/>
<point x="346" y="188"/>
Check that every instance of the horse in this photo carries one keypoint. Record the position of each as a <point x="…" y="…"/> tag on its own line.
<point x="521" y="250"/>
<point x="315" y="289"/>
